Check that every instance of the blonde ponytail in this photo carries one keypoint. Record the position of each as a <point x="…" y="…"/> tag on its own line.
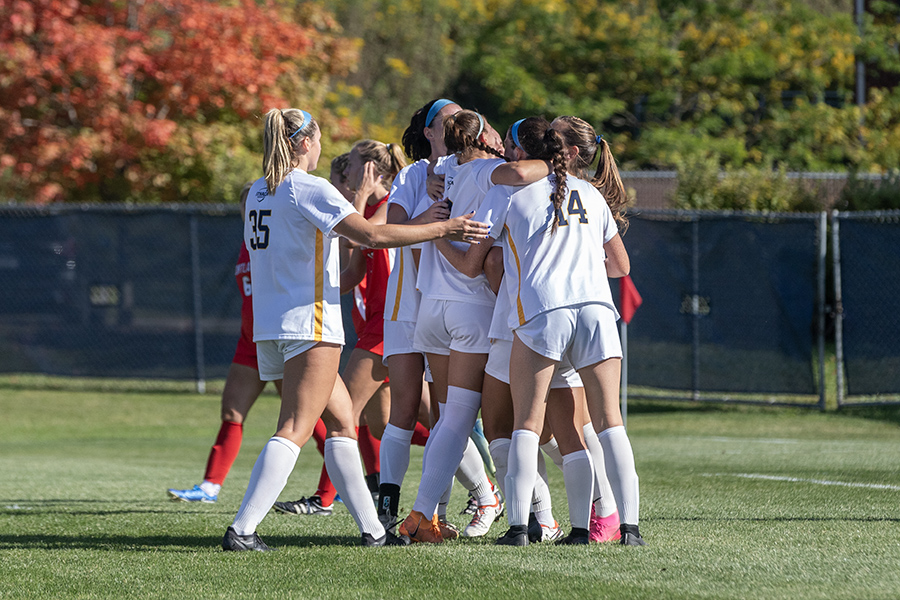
<point x="284" y="131"/>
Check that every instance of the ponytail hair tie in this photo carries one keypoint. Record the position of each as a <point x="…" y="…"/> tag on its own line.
<point x="306" y="119"/>
<point x="598" y="138"/>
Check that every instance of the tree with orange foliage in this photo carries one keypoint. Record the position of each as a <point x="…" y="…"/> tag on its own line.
<point x="134" y="101"/>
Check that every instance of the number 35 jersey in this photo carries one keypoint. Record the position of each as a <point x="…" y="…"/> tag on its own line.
<point x="294" y="258"/>
<point x="550" y="270"/>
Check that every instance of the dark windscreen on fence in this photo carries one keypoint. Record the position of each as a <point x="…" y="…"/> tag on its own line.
<point x="729" y="303"/>
<point x="729" y="300"/>
<point x="111" y="292"/>
<point x="870" y="278"/>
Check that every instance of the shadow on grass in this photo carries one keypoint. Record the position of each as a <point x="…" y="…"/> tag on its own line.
<point x="888" y="414"/>
<point x="155" y="543"/>
<point x="77" y="507"/>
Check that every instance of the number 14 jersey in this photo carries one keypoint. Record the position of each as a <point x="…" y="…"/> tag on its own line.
<point x="545" y="270"/>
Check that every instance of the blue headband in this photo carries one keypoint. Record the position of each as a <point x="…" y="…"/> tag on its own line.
<point x="306" y="120"/>
<point x="514" y="133"/>
<point x="435" y="108"/>
<point x="480" y="125"/>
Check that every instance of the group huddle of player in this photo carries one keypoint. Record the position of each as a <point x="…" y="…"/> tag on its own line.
<point x="480" y="268"/>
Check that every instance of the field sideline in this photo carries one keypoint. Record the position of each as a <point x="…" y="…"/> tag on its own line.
<point x="736" y="502"/>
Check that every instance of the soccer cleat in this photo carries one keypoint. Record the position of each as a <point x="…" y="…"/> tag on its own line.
<point x="577" y="537"/>
<point x="420" y="529"/>
<point x="514" y="536"/>
<point x="471" y="506"/>
<point x="484" y="518"/>
<point x="303" y="506"/>
<point x="538" y="532"/>
<point x="192" y="495"/>
<point x="448" y="530"/>
<point x="631" y="536"/>
<point x="388" y="539"/>
<point x="605" y="529"/>
<point x="389" y="522"/>
<point x="232" y="542"/>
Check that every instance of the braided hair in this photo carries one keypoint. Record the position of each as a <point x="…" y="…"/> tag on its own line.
<point x="462" y="133"/>
<point x="579" y="134"/>
<point x="538" y="140"/>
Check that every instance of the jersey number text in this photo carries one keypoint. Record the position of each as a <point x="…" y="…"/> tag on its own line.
<point x="575" y="208"/>
<point x="259" y="229"/>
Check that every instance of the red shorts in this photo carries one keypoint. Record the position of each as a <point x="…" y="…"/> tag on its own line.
<point x="245" y="353"/>
<point x="371" y="337"/>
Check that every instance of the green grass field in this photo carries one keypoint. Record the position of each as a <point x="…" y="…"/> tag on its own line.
<point x="736" y="502"/>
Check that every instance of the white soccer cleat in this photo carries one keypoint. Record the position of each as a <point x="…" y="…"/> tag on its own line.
<point x="483" y="519"/>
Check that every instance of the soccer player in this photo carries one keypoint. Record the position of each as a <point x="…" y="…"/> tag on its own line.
<point x="558" y="255"/>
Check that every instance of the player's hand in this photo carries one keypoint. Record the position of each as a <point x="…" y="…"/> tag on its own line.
<point x="463" y="229"/>
<point x="438" y="211"/>
<point x="435" y="186"/>
<point x="369" y="180"/>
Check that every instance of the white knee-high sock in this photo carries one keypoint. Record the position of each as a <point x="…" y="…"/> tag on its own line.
<point x="623" y="478"/>
<point x="541" y="503"/>
<point x="551" y="449"/>
<point x="345" y="469"/>
<point x="268" y="477"/>
<point x="604" y="501"/>
<point x="520" y="475"/>
<point x="394" y="454"/>
<point x="448" y="446"/>
<point x="472" y="475"/>
<point x="542" y="468"/>
<point x="578" y="471"/>
<point x="500" y="455"/>
<point x="428" y="443"/>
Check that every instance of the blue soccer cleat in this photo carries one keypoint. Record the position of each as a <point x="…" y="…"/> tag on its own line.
<point x="192" y="495"/>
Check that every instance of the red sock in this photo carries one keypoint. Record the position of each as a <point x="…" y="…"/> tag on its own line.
<point x="326" y="489"/>
<point x="370" y="448"/>
<point x="224" y="451"/>
<point x="420" y="434"/>
<point x="319" y="433"/>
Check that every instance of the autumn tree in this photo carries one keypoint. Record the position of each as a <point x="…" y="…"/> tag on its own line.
<point x="154" y="101"/>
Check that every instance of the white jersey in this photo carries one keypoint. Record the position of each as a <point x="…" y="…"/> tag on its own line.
<point x="465" y="185"/>
<point x="499" y="322"/>
<point x="408" y="191"/>
<point x="547" y="271"/>
<point x="294" y="258"/>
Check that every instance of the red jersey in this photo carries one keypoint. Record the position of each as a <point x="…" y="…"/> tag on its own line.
<point x="378" y="269"/>
<point x="245" y="354"/>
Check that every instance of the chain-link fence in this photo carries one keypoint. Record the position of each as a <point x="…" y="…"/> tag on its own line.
<point x="119" y="291"/>
<point x="866" y="251"/>
<point x="732" y="306"/>
<point x="734" y="303"/>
